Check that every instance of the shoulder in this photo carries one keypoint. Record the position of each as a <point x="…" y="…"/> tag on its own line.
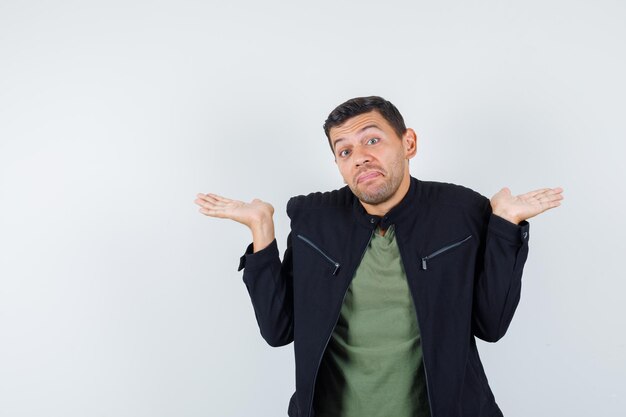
<point x="454" y="195"/>
<point x="340" y="198"/>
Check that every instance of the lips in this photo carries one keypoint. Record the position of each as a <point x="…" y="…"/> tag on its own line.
<point x="367" y="176"/>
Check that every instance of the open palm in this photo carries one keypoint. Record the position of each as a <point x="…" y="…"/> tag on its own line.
<point x="248" y="214"/>
<point x="525" y="206"/>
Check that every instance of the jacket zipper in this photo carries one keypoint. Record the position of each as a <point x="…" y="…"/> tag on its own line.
<point x="319" y="362"/>
<point x="321" y="252"/>
<point x="442" y="250"/>
<point x="430" y="403"/>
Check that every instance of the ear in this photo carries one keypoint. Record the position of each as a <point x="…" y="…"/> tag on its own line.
<point x="409" y="140"/>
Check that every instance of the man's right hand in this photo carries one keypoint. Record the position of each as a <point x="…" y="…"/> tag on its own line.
<point x="257" y="215"/>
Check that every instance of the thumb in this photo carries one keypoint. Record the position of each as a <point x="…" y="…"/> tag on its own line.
<point x="503" y="193"/>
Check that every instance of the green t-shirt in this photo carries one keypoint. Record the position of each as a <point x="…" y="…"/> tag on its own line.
<point x="373" y="365"/>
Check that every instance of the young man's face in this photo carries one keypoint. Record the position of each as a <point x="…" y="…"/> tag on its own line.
<point x="373" y="160"/>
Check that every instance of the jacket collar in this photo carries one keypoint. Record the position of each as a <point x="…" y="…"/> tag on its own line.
<point x="396" y="215"/>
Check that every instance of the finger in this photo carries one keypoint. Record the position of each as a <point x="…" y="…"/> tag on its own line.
<point x="551" y="195"/>
<point x="502" y="193"/>
<point x="550" y="205"/>
<point x="213" y="212"/>
<point x="203" y="200"/>
<point x="545" y="205"/>
<point x="552" y="191"/>
<point x="548" y="191"/>
<point x="554" y="196"/>
<point x="206" y="197"/>
<point x="553" y="200"/>
<point x="542" y="204"/>
<point x="220" y="198"/>
<point x="211" y="198"/>
<point x="534" y="193"/>
<point x="218" y="202"/>
<point x="209" y="202"/>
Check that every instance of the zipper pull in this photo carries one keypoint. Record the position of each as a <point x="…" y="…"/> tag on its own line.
<point x="336" y="268"/>
<point x="424" y="266"/>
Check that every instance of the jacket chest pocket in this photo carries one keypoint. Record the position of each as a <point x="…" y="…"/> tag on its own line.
<point x="443" y="250"/>
<point x="321" y="253"/>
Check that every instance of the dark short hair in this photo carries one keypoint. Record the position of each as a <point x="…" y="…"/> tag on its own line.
<point x="360" y="105"/>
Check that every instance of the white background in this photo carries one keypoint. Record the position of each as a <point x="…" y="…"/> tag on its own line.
<point x="117" y="298"/>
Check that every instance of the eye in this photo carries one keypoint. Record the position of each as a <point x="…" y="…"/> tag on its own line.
<point x="344" y="153"/>
<point x="372" y="141"/>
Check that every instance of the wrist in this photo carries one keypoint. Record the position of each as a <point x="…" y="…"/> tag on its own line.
<point x="507" y="216"/>
<point x="262" y="232"/>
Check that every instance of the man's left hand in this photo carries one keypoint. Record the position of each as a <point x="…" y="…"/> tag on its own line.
<point x="521" y="207"/>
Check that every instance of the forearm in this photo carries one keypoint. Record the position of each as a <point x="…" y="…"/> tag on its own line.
<point x="498" y="284"/>
<point x="270" y="285"/>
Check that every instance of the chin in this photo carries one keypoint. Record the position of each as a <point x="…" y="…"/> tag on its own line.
<point x="379" y="196"/>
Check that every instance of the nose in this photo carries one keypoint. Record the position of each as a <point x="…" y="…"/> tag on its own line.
<point x="360" y="156"/>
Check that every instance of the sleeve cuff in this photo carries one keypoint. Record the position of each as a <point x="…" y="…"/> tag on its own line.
<point x="254" y="260"/>
<point x="515" y="233"/>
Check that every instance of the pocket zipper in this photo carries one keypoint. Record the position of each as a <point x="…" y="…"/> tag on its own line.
<point x="440" y="251"/>
<point x="321" y="252"/>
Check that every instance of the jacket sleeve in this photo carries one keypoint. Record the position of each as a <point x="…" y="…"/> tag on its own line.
<point x="270" y="285"/>
<point x="497" y="289"/>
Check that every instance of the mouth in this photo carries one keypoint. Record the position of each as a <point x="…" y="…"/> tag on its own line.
<point x="366" y="176"/>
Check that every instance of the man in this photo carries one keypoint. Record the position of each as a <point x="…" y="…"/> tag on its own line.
<point x="385" y="283"/>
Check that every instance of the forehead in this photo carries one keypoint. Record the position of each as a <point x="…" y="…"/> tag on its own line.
<point x="355" y="124"/>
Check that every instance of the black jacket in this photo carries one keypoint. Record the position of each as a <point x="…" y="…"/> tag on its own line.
<point x="463" y="266"/>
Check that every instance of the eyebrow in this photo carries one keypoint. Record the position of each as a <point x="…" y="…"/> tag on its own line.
<point x="373" y="125"/>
